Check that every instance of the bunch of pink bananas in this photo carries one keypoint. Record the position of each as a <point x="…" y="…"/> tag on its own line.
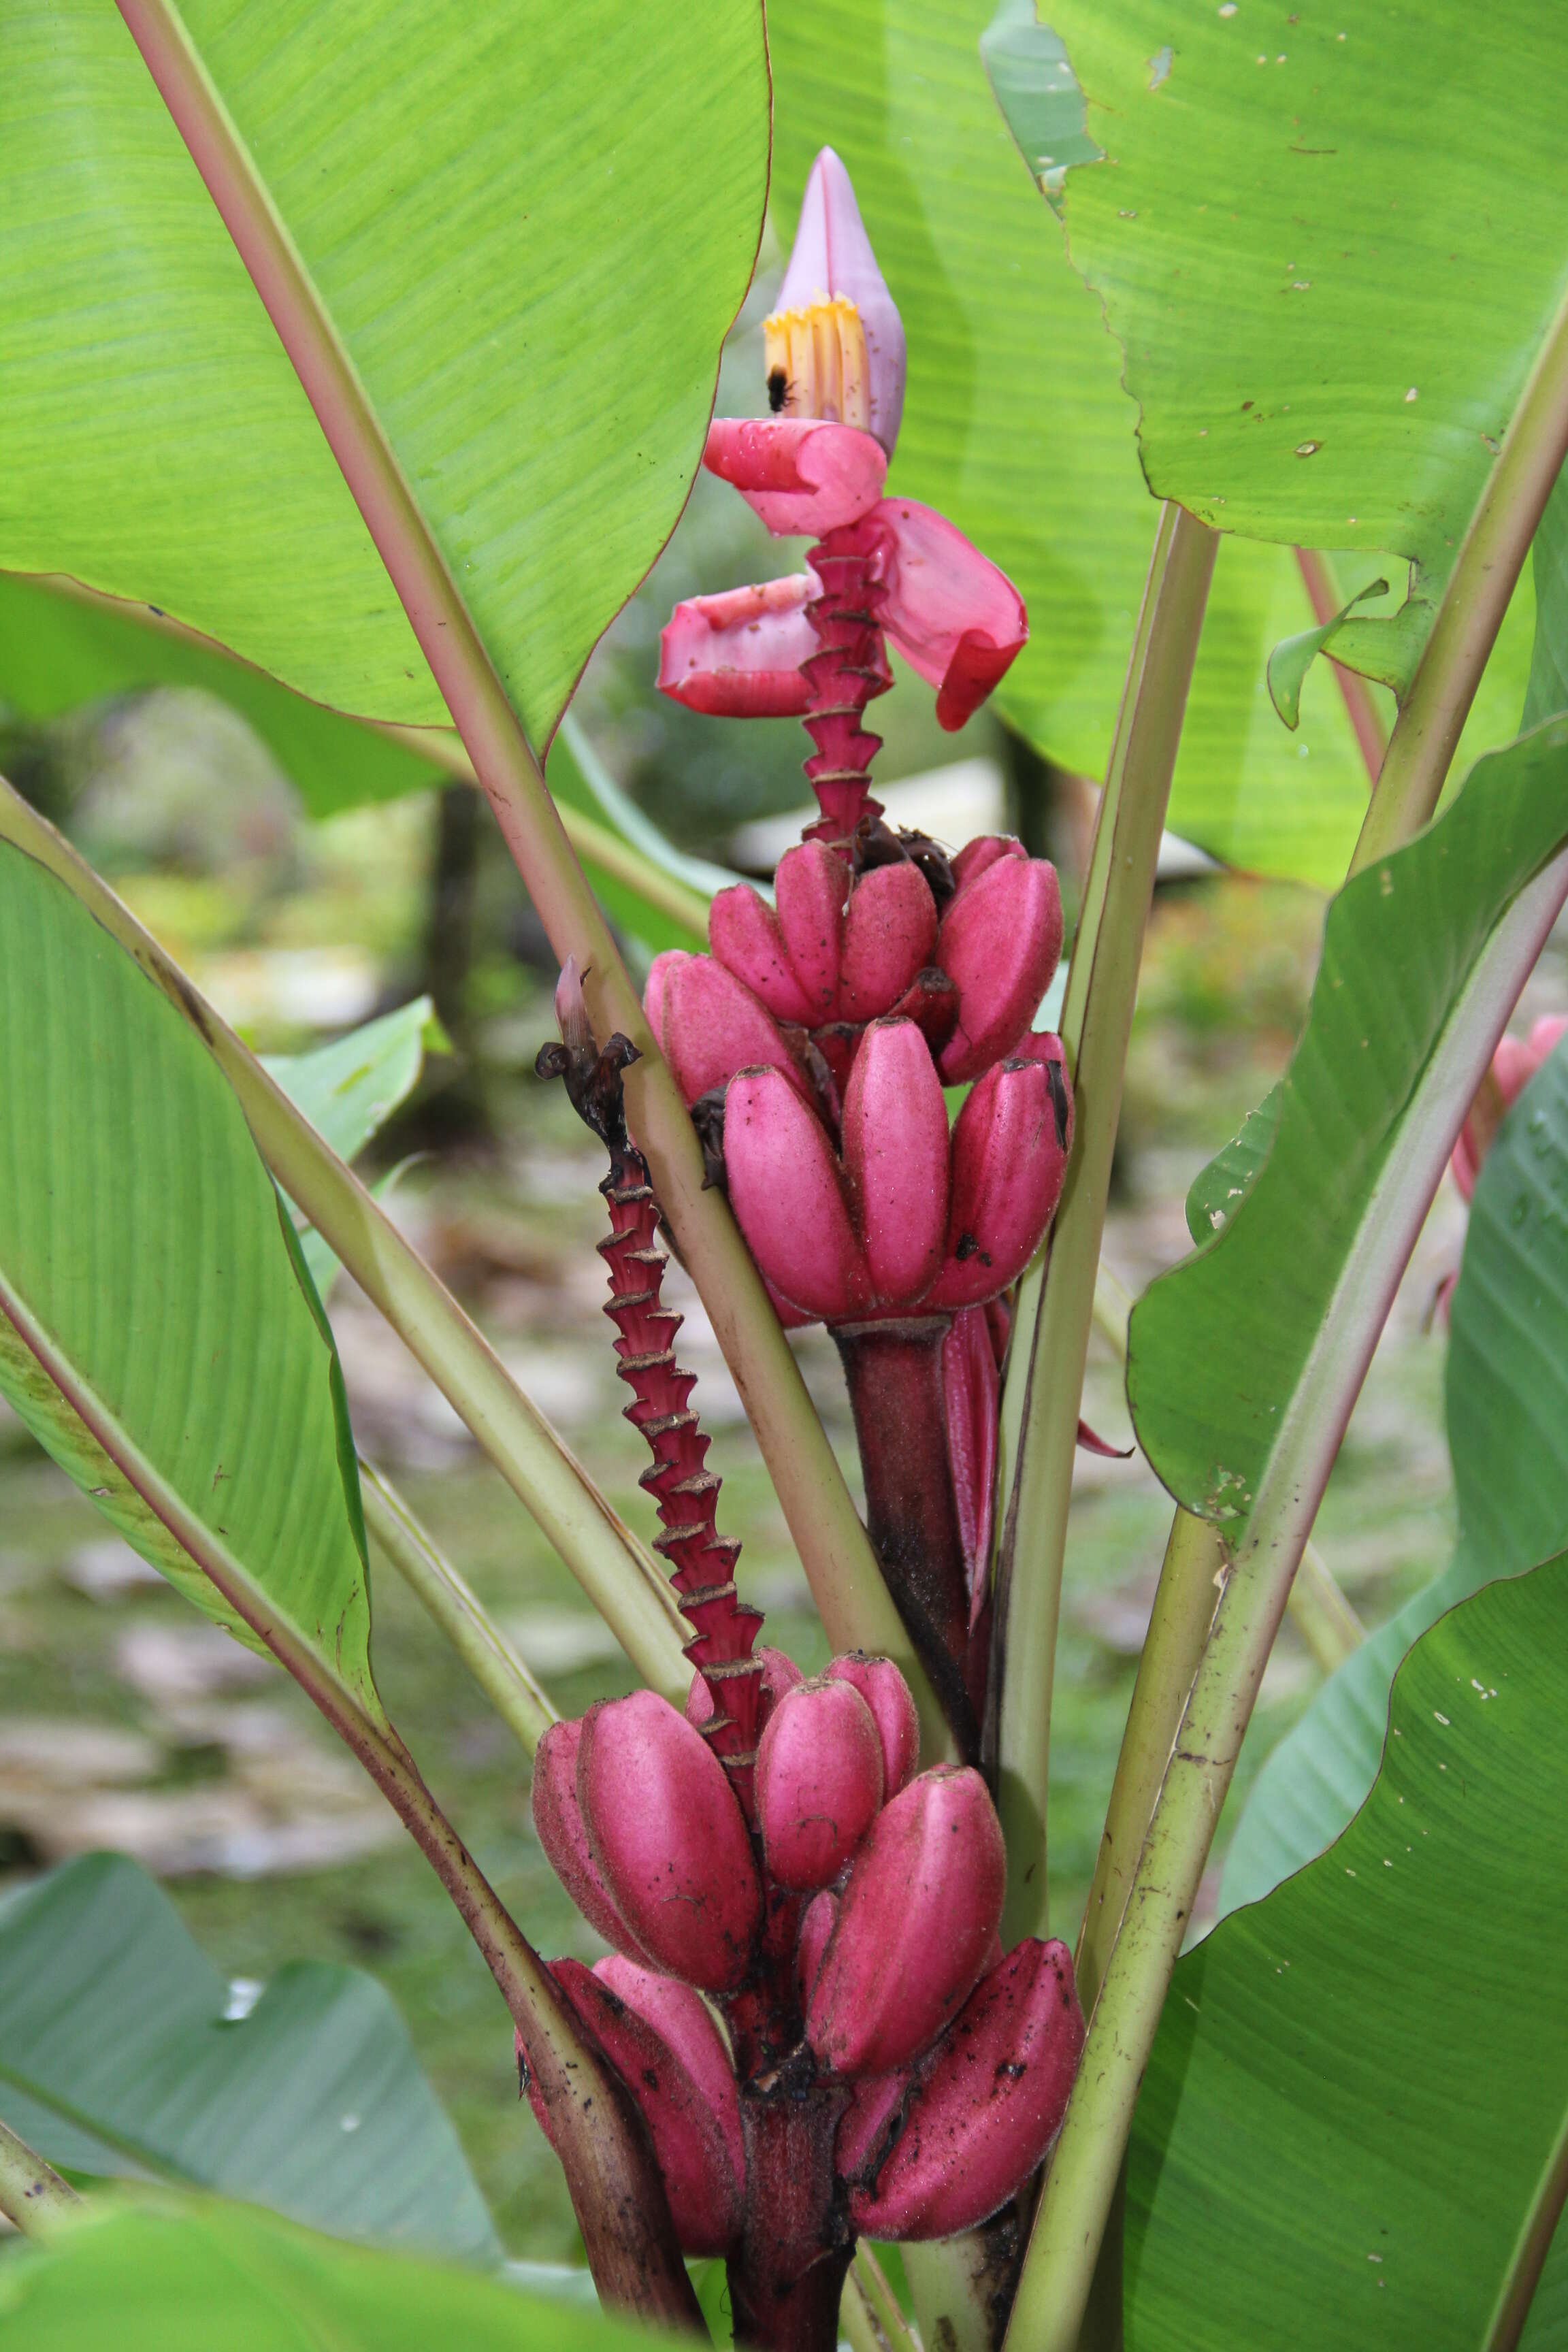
<point x="850" y="1945"/>
<point x="832" y="1024"/>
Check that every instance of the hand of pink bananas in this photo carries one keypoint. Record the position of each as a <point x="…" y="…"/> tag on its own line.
<point x="890" y="1980"/>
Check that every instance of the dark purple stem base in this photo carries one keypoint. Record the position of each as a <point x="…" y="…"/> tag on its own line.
<point x="894" y="1372"/>
<point x="786" y="2281"/>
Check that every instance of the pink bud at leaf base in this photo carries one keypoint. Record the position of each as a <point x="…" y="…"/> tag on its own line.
<point x="692" y="2149"/>
<point x="895" y="1152"/>
<point x="785" y="1193"/>
<point x="1000" y="941"/>
<point x="889" y="1697"/>
<point x="1514" y="1066"/>
<point x="669" y="1840"/>
<point x="819" y="1782"/>
<point x="988" y="2105"/>
<point x="915" y="1920"/>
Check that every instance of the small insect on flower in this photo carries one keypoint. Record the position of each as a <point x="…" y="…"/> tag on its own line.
<point x="778" y="390"/>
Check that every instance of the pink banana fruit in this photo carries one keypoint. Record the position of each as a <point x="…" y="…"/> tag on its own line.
<point x="818" y="1923"/>
<point x="868" y="2121"/>
<point x="915" y="1920"/>
<point x="669" y="1840"/>
<point x="886" y="1694"/>
<point x="694" y="2153"/>
<point x="819" y="1782"/>
<point x="562" y="1833"/>
<point x="690" y="2029"/>
<point x="988" y="2104"/>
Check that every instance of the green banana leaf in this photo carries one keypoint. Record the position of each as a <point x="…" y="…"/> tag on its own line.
<point x="348" y="1090"/>
<point x="530" y="228"/>
<point x="117" y="2057"/>
<point x="158" y="1334"/>
<point x="1331" y="248"/>
<point x="1507" y="1434"/>
<point x="1269" y="1322"/>
<point x="165" y="2273"/>
<point x="1015" y="425"/>
<point x="1354" y="2126"/>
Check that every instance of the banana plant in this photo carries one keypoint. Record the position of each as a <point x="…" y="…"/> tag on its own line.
<point x="358" y="367"/>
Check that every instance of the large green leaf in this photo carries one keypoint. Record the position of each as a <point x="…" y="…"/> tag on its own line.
<point x="1015" y="425"/>
<point x="1265" y="1325"/>
<point x="531" y="227"/>
<point x="349" y="1090"/>
<point x="156" y="1333"/>
<point x="59" y="651"/>
<point x="1353" y="2130"/>
<point x="116" y="2057"/>
<point x="1507" y="1436"/>
<point x="186" y="2274"/>
<point x="1330" y="246"/>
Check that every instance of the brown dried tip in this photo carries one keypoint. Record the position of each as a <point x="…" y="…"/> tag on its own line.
<point x="593" y="1078"/>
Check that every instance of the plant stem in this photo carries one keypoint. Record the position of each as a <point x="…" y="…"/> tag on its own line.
<point x="523" y="1706"/>
<point x="620" y="1578"/>
<point x="787" y="2279"/>
<point x="1323" y="1616"/>
<point x="1474" y="600"/>
<point x="32" y="2194"/>
<point x="893" y="2330"/>
<point x="1184" y="1610"/>
<point x="832" y="1546"/>
<point x="1054" y="2287"/>
<point x="894" y="1373"/>
<point x="1097" y="1021"/>
<point x="1366" y="719"/>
